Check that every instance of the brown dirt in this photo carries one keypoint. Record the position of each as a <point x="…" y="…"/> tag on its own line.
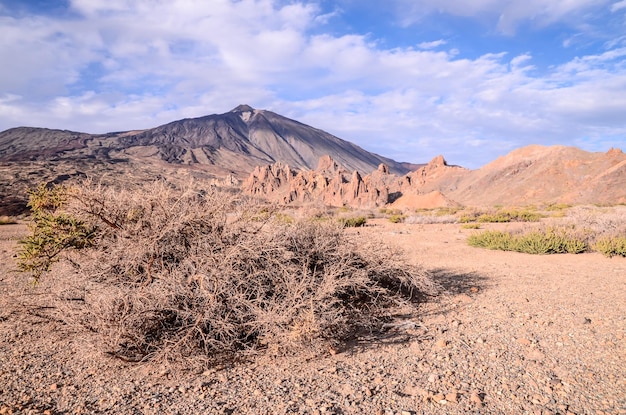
<point x="515" y="333"/>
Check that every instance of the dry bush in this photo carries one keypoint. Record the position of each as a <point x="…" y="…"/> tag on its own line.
<point x="602" y="222"/>
<point x="430" y="219"/>
<point x="181" y="273"/>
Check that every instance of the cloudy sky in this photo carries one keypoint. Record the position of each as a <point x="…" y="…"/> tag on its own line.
<point x="408" y="79"/>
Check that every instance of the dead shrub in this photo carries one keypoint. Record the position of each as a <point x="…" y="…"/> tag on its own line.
<point x="173" y="273"/>
<point x="430" y="219"/>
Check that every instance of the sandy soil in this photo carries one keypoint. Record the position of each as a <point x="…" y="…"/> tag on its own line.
<point x="515" y="333"/>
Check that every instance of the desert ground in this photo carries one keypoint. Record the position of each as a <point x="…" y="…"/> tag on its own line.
<point x="511" y="334"/>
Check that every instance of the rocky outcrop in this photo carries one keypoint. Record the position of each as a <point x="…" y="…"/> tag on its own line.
<point x="332" y="185"/>
<point x="530" y="175"/>
<point x="268" y="180"/>
<point x="329" y="183"/>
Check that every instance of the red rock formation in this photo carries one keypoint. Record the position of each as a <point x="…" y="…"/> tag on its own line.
<point x="332" y="185"/>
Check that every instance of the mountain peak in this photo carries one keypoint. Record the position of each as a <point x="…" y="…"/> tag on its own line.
<point x="242" y="108"/>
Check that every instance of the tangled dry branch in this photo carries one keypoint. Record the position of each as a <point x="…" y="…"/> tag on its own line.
<point x="182" y="273"/>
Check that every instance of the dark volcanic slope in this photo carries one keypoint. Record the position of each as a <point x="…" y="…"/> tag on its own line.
<point x="26" y="143"/>
<point x="261" y="137"/>
<point x="234" y="142"/>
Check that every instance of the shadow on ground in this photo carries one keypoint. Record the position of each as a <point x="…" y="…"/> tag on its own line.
<point x="406" y="327"/>
<point x="459" y="283"/>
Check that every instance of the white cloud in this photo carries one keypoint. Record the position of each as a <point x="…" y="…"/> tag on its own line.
<point x="618" y="6"/>
<point x="137" y="64"/>
<point x="507" y="13"/>
<point x="432" y="45"/>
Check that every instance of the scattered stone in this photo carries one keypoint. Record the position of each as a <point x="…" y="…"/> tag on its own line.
<point x="441" y="343"/>
<point x="452" y="397"/>
<point x="524" y="342"/>
<point x="439" y="398"/>
<point x="476" y="398"/>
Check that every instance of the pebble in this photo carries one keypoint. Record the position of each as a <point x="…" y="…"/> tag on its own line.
<point x="476" y="398"/>
<point x="441" y="343"/>
<point x="452" y="397"/>
<point x="439" y="398"/>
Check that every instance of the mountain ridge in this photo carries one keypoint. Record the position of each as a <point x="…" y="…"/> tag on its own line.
<point x="246" y="135"/>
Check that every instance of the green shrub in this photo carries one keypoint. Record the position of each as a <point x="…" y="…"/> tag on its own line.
<point x="52" y="231"/>
<point x="353" y="222"/>
<point x="444" y="211"/>
<point x="494" y="218"/>
<point x="471" y="226"/>
<point x="491" y="240"/>
<point x="611" y="246"/>
<point x="510" y="216"/>
<point x="556" y="207"/>
<point x="546" y="241"/>
<point x="397" y="218"/>
<point x="467" y="219"/>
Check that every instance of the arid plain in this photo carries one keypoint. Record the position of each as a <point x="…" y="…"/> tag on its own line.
<point x="510" y="333"/>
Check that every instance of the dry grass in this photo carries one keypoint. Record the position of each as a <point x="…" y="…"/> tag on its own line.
<point x="175" y="274"/>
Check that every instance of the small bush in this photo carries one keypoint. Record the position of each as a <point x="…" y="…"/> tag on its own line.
<point x="353" y="222"/>
<point x="446" y="211"/>
<point x="510" y="216"/>
<point x="471" y="226"/>
<point x="557" y="207"/>
<point x="501" y="216"/>
<point x="546" y="241"/>
<point x="52" y="231"/>
<point x="494" y="218"/>
<point x="491" y="240"/>
<point x="173" y="274"/>
<point x="611" y="246"/>
<point x="397" y="218"/>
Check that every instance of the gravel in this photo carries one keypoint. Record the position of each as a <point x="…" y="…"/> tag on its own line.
<point x="514" y="334"/>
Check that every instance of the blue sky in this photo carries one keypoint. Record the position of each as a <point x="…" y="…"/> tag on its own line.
<point x="408" y="79"/>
